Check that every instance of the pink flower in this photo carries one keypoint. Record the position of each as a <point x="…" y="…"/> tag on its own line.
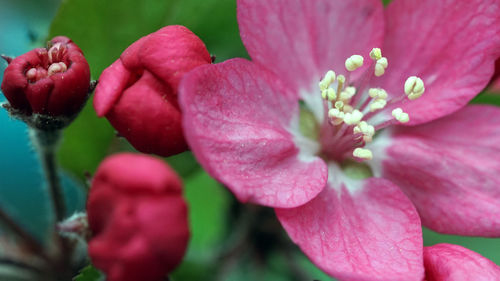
<point x="446" y="262"/>
<point x="346" y="191"/>
<point x="138" y="218"/>
<point x="138" y="92"/>
<point x="51" y="81"/>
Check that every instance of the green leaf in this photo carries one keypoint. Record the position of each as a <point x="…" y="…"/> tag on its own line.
<point x="208" y="203"/>
<point x="89" y="273"/>
<point x="85" y="143"/>
<point x="487" y="98"/>
<point x="488" y="247"/>
<point x="208" y="208"/>
<point x="184" y="164"/>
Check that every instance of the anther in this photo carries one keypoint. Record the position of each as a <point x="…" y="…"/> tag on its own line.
<point x="330" y="94"/>
<point x="362" y="153"/>
<point x="348" y="93"/>
<point x="56" y="68"/>
<point x="380" y="66"/>
<point x="348" y="108"/>
<point x="31" y="74"/>
<point x="376" y="54"/>
<point x="367" y="130"/>
<point x="401" y="116"/>
<point x="414" y="87"/>
<point x="354" y="62"/>
<point x="378" y="104"/>
<point x="339" y="105"/>
<point x="353" y="118"/>
<point x="340" y="83"/>
<point x="336" y="116"/>
<point x="327" y="80"/>
<point x="377" y="93"/>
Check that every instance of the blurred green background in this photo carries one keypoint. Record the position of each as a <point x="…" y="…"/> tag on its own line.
<point x="103" y="29"/>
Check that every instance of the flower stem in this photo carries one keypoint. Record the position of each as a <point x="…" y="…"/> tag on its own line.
<point x="45" y="142"/>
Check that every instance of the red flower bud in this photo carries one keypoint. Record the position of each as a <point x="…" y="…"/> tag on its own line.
<point x="138" y="218"/>
<point x="51" y="81"/>
<point x="138" y="92"/>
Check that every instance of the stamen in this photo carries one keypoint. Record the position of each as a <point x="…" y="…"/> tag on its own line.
<point x="353" y="118"/>
<point x="336" y="116"/>
<point x="340" y="83"/>
<point x="339" y="105"/>
<point x="367" y="130"/>
<point x="401" y="116"/>
<point x="347" y="94"/>
<point x="56" y="68"/>
<point x="354" y="62"/>
<point x="31" y="74"/>
<point x="376" y="54"/>
<point x="381" y="66"/>
<point x="414" y="87"/>
<point x="378" y="104"/>
<point x="331" y="94"/>
<point x="362" y="153"/>
<point x="377" y="93"/>
<point x="327" y="80"/>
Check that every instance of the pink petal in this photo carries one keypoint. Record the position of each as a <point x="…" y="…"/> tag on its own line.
<point x="172" y="51"/>
<point x="364" y="230"/>
<point x="451" y="45"/>
<point x="449" y="169"/>
<point x="446" y="262"/>
<point x="300" y="40"/>
<point x="236" y="117"/>
<point x="113" y="81"/>
<point x="153" y="126"/>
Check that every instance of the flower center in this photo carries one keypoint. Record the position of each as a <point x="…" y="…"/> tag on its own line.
<point x="53" y="61"/>
<point x="354" y="112"/>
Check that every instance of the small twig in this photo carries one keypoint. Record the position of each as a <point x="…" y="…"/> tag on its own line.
<point x="18" y="264"/>
<point x="33" y="245"/>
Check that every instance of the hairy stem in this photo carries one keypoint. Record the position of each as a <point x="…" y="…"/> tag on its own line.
<point x="45" y="143"/>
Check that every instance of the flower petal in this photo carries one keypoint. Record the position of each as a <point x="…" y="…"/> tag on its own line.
<point x="364" y="230"/>
<point x="446" y="262"/>
<point x="451" y="45"/>
<point x="113" y="81"/>
<point x="449" y="169"/>
<point x="300" y="40"/>
<point x="236" y="118"/>
<point x="153" y="126"/>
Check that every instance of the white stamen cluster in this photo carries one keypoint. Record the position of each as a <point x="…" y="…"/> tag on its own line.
<point x="342" y="113"/>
